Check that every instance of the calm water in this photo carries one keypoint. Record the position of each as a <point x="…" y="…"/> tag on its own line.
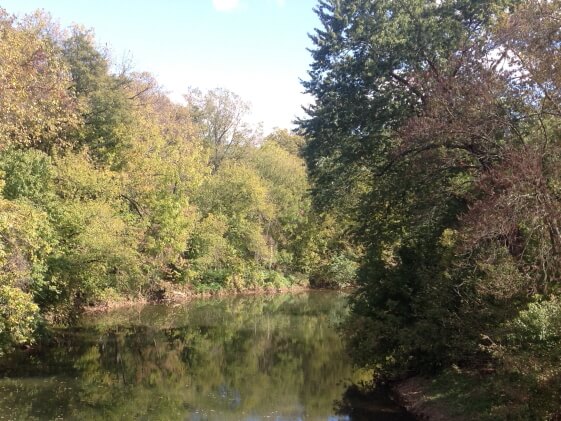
<point x="245" y="358"/>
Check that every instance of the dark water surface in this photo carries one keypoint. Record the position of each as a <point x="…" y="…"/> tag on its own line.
<point x="259" y="358"/>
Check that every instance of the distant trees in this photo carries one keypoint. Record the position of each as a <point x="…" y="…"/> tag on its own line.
<point x="221" y="116"/>
<point x="108" y="189"/>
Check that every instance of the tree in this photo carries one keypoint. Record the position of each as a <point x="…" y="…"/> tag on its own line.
<point x="107" y="102"/>
<point x="410" y="110"/>
<point x="38" y="109"/>
<point x="287" y="184"/>
<point x="290" y="142"/>
<point x="110" y="190"/>
<point x="27" y="240"/>
<point x="221" y="117"/>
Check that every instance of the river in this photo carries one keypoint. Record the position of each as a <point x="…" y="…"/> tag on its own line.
<point x="250" y="358"/>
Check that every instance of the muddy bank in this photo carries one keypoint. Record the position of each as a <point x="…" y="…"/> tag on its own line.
<point x="413" y="395"/>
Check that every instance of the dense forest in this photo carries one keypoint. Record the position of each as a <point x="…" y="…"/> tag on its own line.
<point x="436" y="131"/>
<point x="110" y="191"/>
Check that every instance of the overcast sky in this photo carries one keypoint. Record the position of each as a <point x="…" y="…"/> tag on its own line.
<point x="256" y="48"/>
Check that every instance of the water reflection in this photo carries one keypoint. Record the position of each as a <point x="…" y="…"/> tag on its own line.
<point x="246" y="358"/>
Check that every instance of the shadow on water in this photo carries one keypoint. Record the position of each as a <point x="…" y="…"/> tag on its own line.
<point x="243" y="358"/>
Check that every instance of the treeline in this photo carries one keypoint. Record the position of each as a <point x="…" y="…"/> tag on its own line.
<point x="437" y="128"/>
<point x="110" y="190"/>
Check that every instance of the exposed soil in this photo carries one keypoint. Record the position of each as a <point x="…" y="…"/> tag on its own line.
<point x="411" y="394"/>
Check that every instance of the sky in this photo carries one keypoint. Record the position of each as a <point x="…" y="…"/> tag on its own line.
<point x="255" y="48"/>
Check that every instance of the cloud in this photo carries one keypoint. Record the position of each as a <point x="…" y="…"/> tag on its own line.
<point x="225" y="5"/>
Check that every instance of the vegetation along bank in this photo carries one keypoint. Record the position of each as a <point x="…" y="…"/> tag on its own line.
<point x="109" y="191"/>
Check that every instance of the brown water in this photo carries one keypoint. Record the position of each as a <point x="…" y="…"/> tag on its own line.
<point x="260" y="358"/>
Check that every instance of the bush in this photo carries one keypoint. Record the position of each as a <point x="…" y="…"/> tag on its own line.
<point x="18" y="317"/>
<point x="278" y="280"/>
<point x="338" y="272"/>
<point x="539" y="325"/>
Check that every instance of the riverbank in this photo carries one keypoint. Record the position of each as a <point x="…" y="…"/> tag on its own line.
<point x="415" y="395"/>
<point x="170" y="294"/>
<point x="460" y="394"/>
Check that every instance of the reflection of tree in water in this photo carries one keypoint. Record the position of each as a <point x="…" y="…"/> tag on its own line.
<point x="220" y="359"/>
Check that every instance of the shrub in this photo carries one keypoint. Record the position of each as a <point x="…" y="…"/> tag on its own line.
<point x="18" y="317"/>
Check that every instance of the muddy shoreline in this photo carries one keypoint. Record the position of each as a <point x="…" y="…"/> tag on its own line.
<point x="411" y="394"/>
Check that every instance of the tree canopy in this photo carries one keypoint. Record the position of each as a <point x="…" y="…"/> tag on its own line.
<point x="435" y="127"/>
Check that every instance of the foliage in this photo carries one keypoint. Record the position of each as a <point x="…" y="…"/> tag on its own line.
<point x="540" y="324"/>
<point x="27" y="242"/>
<point x="27" y="174"/>
<point x="435" y="130"/>
<point x="18" y="317"/>
<point x="37" y="108"/>
<point x="110" y="190"/>
<point x="290" y="142"/>
<point x="221" y="116"/>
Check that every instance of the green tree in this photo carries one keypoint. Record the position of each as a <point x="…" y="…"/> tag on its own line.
<point x="221" y="116"/>
<point x="409" y="111"/>
<point x="106" y="106"/>
<point x="26" y="242"/>
<point x="237" y="196"/>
